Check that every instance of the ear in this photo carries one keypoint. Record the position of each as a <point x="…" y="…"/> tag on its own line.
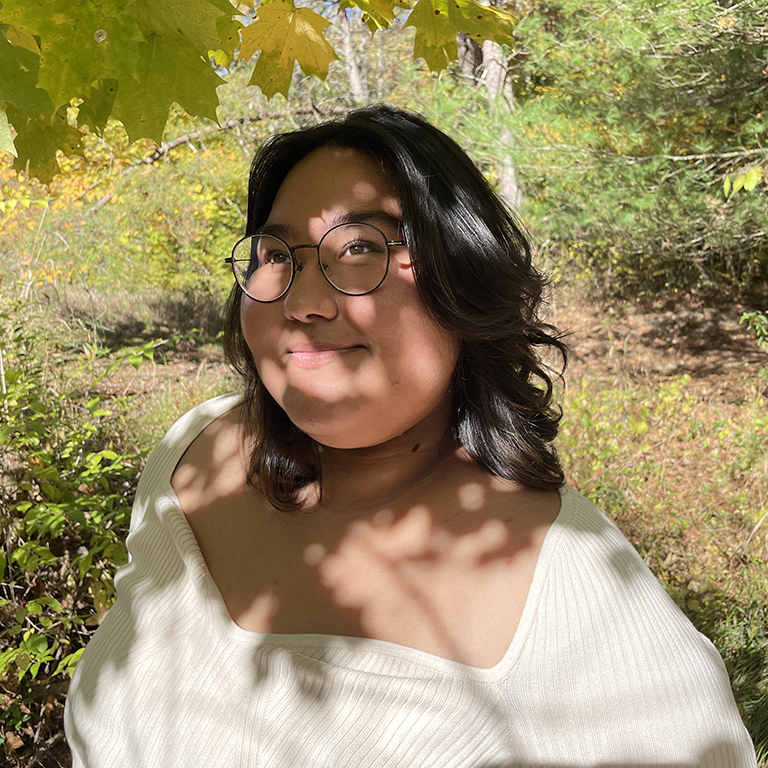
<point x="404" y="261"/>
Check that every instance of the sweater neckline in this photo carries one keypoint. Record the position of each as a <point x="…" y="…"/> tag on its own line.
<point x="174" y="445"/>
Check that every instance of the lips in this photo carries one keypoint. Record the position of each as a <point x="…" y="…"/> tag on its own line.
<point x="306" y="354"/>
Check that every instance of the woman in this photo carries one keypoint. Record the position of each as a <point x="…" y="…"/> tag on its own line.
<point x="370" y="557"/>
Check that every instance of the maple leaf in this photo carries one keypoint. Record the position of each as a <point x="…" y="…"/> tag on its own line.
<point x="39" y="138"/>
<point x="229" y="35"/>
<point x="23" y="38"/>
<point x="80" y="42"/>
<point x="438" y="21"/>
<point x="270" y="75"/>
<point x="195" y="20"/>
<point x="297" y="33"/>
<point x="376" y="13"/>
<point x="171" y="71"/>
<point x="18" y="80"/>
<point x="6" y="140"/>
<point x="95" y="109"/>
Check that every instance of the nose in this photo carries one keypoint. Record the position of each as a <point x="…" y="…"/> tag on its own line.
<point x="311" y="297"/>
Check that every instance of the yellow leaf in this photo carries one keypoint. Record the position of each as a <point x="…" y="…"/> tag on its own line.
<point x="220" y="57"/>
<point x="739" y="183"/>
<point x="297" y="33"/>
<point x="268" y="32"/>
<point x="306" y="44"/>
<point x="726" y="22"/>
<point x="270" y="76"/>
<point x="376" y="13"/>
<point x="6" y="140"/>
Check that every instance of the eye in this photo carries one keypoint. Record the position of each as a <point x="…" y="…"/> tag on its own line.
<point x="359" y="248"/>
<point x="274" y="257"/>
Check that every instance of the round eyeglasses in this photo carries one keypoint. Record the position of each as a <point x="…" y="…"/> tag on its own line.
<point x="354" y="259"/>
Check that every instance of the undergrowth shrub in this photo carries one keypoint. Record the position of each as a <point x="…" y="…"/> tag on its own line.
<point x="67" y="484"/>
<point x="684" y="479"/>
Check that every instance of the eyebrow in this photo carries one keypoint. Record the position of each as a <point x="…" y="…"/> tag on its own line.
<point x="378" y="218"/>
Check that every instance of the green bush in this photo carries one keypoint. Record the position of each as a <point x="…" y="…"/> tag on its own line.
<point x="67" y="486"/>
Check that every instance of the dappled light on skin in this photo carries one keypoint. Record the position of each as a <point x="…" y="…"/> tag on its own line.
<point x="424" y="569"/>
<point x="471" y="497"/>
<point x="422" y="566"/>
<point x="349" y="371"/>
<point x="407" y="577"/>
<point x="418" y="577"/>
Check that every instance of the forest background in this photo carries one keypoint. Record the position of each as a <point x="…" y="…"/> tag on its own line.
<point x="630" y="135"/>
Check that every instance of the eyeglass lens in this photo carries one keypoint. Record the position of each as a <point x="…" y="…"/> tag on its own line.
<point x="354" y="259"/>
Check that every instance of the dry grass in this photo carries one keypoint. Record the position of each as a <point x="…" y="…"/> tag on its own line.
<point x="669" y="436"/>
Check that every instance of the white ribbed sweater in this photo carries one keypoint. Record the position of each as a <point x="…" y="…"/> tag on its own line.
<point x="603" y="669"/>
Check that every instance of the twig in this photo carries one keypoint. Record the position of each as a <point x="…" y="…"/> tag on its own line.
<point x="46" y="747"/>
<point x="228" y="125"/>
<point x="754" y="531"/>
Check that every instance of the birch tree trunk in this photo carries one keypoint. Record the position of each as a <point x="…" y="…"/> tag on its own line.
<point x="502" y="101"/>
<point x="470" y="57"/>
<point x="357" y="85"/>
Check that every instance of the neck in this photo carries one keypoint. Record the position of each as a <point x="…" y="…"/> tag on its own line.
<point x="361" y="480"/>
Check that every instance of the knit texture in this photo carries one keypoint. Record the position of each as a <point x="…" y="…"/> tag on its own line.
<point x="604" y="669"/>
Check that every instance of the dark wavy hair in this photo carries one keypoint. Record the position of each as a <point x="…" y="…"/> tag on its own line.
<point x="473" y="271"/>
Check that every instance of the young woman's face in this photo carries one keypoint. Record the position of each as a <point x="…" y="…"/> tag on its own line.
<point x="350" y="371"/>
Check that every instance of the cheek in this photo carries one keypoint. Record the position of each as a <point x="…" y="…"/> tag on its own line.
<point x="260" y="331"/>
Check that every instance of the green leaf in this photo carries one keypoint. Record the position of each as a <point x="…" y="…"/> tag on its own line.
<point x="435" y="40"/>
<point x="81" y="42"/>
<point x="18" y="80"/>
<point x="170" y="71"/>
<point x="37" y="644"/>
<point x="194" y="20"/>
<point x="6" y="145"/>
<point x="37" y="141"/>
<point x="97" y="106"/>
<point x="46" y="600"/>
<point x="229" y="34"/>
<point x="73" y="513"/>
<point x="739" y="182"/>
<point x="22" y="38"/>
<point x="727" y="186"/>
<point x="377" y="14"/>
<point x="69" y="662"/>
<point x="438" y="21"/>
<point x="753" y="177"/>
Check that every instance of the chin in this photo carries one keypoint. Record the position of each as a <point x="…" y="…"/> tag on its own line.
<point x="345" y="439"/>
<point x="343" y="442"/>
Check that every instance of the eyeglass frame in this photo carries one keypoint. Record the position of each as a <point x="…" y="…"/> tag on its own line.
<point x="297" y="266"/>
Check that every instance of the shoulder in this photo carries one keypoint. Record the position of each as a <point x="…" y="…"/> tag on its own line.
<point x="606" y="630"/>
<point x="162" y="461"/>
<point x="603" y="568"/>
<point x="598" y="587"/>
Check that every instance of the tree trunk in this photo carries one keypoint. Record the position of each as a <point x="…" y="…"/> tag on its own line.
<point x="357" y="84"/>
<point x="498" y="85"/>
<point x="470" y="57"/>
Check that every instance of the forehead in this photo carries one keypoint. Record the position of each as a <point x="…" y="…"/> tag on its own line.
<point x="327" y="185"/>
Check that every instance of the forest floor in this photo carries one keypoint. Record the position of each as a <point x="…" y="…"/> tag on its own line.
<point x="613" y="346"/>
<point x="663" y="337"/>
